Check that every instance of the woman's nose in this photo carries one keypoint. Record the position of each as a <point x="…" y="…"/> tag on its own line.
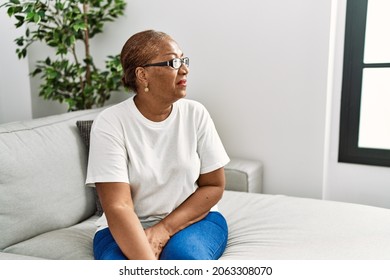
<point x="184" y="69"/>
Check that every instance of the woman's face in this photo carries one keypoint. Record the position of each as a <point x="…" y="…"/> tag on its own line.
<point x="164" y="82"/>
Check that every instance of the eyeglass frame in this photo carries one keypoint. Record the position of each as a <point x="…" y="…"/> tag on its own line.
<point x="170" y="63"/>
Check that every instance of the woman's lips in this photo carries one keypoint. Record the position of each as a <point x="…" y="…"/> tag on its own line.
<point x="182" y="82"/>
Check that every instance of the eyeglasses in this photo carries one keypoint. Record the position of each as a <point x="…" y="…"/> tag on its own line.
<point x="175" y="63"/>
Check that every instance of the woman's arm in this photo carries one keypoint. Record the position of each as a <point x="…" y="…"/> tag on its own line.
<point x="124" y="224"/>
<point x="194" y="208"/>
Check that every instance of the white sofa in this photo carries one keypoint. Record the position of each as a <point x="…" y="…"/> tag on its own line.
<point x="46" y="212"/>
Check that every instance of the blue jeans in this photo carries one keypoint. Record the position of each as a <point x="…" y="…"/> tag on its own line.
<point x="203" y="240"/>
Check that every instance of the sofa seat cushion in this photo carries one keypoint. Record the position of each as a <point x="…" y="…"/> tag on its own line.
<point x="9" y="256"/>
<point x="72" y="243"/>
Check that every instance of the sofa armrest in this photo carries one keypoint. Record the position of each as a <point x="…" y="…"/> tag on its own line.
<point x="244" y="175"/>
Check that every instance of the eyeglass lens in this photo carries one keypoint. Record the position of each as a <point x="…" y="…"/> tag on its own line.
<point x="177" y="62"/>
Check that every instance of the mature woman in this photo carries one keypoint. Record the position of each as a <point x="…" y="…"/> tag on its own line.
<point x="157" y="162"/>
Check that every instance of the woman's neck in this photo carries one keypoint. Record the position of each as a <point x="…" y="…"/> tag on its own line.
<point x="151" y="109"/>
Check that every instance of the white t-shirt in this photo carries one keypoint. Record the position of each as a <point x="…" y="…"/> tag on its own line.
<point x="160" y="160"/>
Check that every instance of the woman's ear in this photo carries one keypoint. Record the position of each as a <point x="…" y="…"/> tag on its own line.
<point x="141" y="75"/>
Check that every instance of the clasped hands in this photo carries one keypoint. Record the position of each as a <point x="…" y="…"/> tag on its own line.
<point x="158" y="237"/>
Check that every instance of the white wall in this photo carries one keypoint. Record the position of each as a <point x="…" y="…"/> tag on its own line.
<point x="15" y="98"/>
<point x="342" y="181"/>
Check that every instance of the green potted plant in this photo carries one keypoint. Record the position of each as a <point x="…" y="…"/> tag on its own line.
<point x="68" y="76"/>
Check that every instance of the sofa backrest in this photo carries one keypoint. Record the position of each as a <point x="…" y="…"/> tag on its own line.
<point x="42" y="176"/>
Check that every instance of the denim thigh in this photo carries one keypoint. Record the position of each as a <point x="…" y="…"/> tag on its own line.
<point x="203" y="240"/>
<point x="105" y="247"/>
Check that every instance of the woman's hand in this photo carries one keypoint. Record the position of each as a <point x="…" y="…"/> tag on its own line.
<point x="158" y="237"/>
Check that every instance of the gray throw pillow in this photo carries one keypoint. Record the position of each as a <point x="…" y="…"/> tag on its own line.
<point x="84" y="127"/>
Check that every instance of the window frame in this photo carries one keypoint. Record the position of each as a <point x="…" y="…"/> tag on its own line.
<point x="355" y="29"/>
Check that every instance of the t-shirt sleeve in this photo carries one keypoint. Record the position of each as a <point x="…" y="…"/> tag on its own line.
<point x="211" y="151"/>
<point x="108" y="160"/>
